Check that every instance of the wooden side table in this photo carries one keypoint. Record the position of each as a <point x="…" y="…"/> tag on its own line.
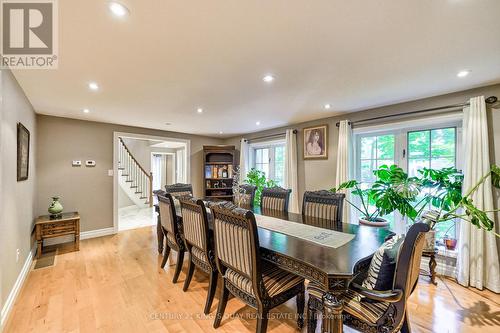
<point x="47" y="227"/>
<point x="432" y="265"/>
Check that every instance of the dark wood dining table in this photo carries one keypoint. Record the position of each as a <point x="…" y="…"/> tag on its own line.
<point x="332" y="268"/>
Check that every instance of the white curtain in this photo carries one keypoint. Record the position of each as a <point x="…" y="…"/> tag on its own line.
<point x="477" y="262"/>
<point x="344" y="162"/>
<point x="291" y="170"/>
<point x="244" y="150"/>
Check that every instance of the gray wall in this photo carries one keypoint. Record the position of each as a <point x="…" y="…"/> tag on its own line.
<point x="17" y="212"/>
<point x="90" y="190"/>
<point x="320" y="174"/>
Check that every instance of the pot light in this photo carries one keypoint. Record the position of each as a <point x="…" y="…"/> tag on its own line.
<point x="220" y="132"/>
<point x="328" y="106"/>
<point x="463" y="73"/>
<point x="93" y="86"/>
<point x="86" y="110"/>
<point x="199" y="110"/>
<point x="118" y="9"/>
<point x="257" y="123"/>
<point x="268" y="78"/>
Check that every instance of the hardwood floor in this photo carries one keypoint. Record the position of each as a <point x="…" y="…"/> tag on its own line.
<point x="115" y="284"/>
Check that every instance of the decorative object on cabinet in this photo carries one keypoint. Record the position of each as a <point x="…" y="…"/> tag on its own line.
<point x="219" y="163"/>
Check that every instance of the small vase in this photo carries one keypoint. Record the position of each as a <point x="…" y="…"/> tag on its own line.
<point x="377" y="222"/>
<point x="55" y="208"/>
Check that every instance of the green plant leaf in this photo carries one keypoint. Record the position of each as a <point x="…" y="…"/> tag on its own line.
<point x="495" y="175"/>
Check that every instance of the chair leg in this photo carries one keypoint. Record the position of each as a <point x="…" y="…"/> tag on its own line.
<point x="165" y="256"/>
<point x="312" y="321"/>
<point x="189" y="274"/>
<point x="212" y="286"/>
<point x="300" y="309"/>
<point x="178" y="266"/>
<point x="262" y="318"/>
<point x="406" y="328"/>
<point x="224" y="293"/>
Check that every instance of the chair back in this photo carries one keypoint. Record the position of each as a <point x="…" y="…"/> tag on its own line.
<point x="246" y="199"/>
<point x="168" y="217"/>
<point x="237" y="243"/>
<point x="275" y="198"/>
<point x="323" y="205"/>
<point x="195" y="224"/>
<point x="179" y="190"/>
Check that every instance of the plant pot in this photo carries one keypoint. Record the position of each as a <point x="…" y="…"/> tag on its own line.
<point x="451" y="243"/>
<point x="378" y="222"/>
<point x="430" y="241"/>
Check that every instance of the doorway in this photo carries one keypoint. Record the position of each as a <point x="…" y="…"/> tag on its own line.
<point x="143" y="164"/>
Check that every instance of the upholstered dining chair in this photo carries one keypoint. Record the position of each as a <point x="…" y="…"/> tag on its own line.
<point x="199" y="245"/>
<point x="323" y="205"/>
<point x="246" y="199"/>
<point x="370" y="310"/>
<point x="257" y="283"/>
<point x="170" y="226"/>
<point x="179" y="190"/>
<point x="275" y="198"/>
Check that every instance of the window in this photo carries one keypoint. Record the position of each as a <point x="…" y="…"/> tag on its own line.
<point x="432" y="146"/>
<point x="270" y="159"/>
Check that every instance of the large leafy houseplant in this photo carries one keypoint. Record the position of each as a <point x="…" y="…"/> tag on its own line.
<point x="258" y="179"/>
<point x="392" y="190"/>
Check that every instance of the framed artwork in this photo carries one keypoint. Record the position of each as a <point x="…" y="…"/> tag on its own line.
<point x="23" y="152"/>
<point x="316" y="142"/>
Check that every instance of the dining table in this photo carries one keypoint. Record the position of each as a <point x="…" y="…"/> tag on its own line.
<point x="331" y="267"/>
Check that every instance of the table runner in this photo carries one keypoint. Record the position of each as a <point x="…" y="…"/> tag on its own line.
<point x="321" y="236"/>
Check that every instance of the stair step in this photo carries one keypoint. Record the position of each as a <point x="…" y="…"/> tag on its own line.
<point x="121" y="168"/>
<point x="129" y="181"/>
<point x="144" y="198"/>
<point x="134" y="186"/>
<point x="124" y="175"/>
<point x="138" y="192"/>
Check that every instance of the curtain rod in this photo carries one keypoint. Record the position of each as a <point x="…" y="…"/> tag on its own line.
<point x="489" y="100"/>
<point x="270" y="136"/>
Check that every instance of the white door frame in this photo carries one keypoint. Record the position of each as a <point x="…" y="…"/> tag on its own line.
<point x="174" y="174"/>
<point x="116" y="136"/>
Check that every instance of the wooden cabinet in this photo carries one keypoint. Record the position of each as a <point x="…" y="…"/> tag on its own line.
<point x="218" y="168"/>
<point x="47" y="227"/>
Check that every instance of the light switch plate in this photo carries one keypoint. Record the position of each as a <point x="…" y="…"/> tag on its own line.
<point x="76" y="163"/>
<point x="90" y="163"/>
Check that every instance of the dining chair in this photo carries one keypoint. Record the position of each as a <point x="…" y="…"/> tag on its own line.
<point x="246" y="199"/>
<point x="370" y="310"/>
<point x="170" y="225"/>
<point x="275" y="198"/>
<point x="323" y="205"/>
<point x="159" y="229"/>
<point x="199" y="245"/>
<point x="179" y="190"/>
<point x="256" y="282"/>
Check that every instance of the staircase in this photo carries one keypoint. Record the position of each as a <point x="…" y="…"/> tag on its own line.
<point x="136" y="182"/>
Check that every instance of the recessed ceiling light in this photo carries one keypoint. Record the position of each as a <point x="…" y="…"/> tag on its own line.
<point x="257" y="123"/>
<point x="268" y="78"/>
<point x="118" y="9"/>
<point x="328" y="106"/>
<point x="93" y="86"/>
<point x="86" y="110"/>
<point x="199" y="110"/>
<point x="463" y="73"/>
<point x="220" y="132"/>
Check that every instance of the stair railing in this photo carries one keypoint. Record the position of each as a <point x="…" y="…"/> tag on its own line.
<point x="139" y="179"/>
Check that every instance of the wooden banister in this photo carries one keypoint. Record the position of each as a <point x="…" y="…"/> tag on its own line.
<point x="148" y="175"/>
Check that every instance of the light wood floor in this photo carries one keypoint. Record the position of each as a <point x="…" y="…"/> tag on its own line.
<point x="115" y="284"/>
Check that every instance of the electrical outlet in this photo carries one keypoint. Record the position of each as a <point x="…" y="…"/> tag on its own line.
<point x="18" y="253"/>
<point x="76" y="163"/>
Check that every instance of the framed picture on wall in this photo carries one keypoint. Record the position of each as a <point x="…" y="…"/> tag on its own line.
<point x="316" y="142"/>
<point x="23" y="152"/>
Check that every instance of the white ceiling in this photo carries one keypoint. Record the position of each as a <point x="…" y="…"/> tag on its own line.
<point x="170" y="57"/>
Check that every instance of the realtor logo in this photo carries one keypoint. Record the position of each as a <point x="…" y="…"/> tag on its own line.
<point x="29" y="34"/>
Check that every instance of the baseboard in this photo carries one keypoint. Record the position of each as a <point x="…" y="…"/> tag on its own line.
<point x="97" y="233"/>
<point x="11" y="299"/>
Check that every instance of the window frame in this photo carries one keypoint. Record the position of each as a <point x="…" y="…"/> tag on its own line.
<point x="401" y="131"/>
<point x="271" y="145"/>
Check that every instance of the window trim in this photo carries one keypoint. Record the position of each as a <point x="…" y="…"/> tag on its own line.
<point x="252" y="147"/>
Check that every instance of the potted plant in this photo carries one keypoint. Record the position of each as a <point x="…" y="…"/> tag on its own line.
<point x="258" y="179"/>
<point x="444" y="192"/>
<point x="392" y="190"/>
